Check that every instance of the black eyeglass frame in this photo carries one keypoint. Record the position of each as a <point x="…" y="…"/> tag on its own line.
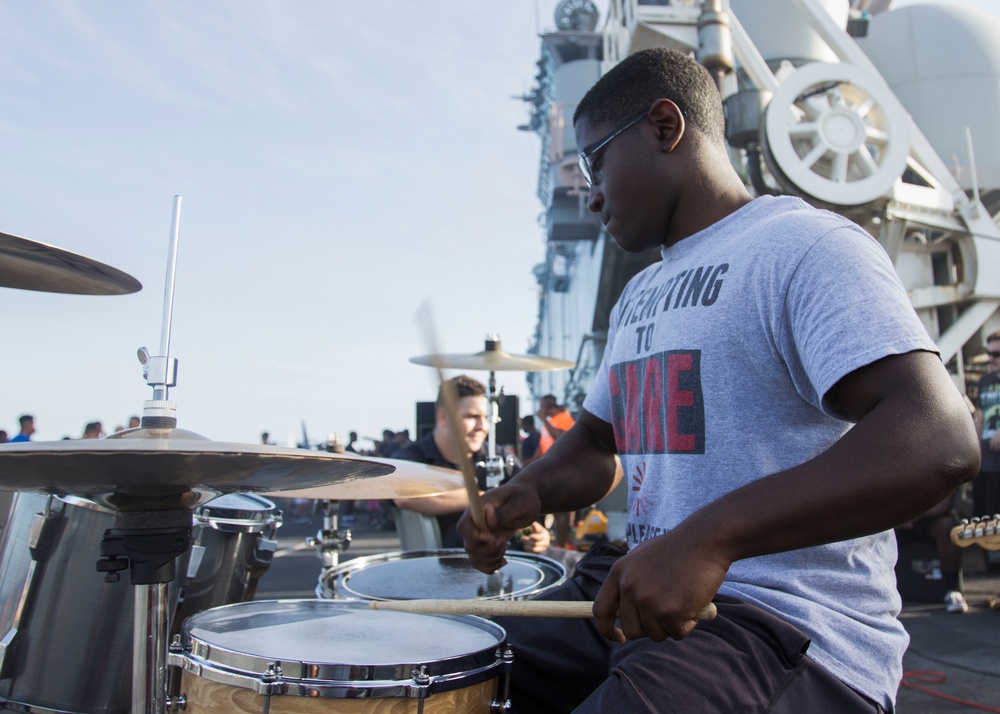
<point x="993" y="355"/>
<point x="583" y="159"/>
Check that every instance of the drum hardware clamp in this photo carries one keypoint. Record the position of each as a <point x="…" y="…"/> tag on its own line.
<point x="329" y="541"/>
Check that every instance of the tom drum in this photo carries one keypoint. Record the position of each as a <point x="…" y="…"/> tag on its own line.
<point x="232" y="547"/>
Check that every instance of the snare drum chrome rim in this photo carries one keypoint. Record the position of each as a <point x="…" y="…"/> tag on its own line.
<point x="267" y="675"/>
<point x="335" y="583"/>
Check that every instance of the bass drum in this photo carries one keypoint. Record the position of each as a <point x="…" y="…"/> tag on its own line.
<point x="66" y="633"/>
<point x="313" y="656"/>
<point x="232" y="547"/>
<point x="439" y="574"/>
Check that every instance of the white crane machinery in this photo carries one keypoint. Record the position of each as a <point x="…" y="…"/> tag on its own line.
<point x="886" y="115"/>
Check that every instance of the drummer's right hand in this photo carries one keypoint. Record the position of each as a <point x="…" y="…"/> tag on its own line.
<point x="507" y="509"/>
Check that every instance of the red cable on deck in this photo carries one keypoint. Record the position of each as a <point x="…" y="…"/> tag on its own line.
<point x="931" y="676"/>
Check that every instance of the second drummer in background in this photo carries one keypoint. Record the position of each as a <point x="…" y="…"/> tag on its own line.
<point x="436" y="448"/>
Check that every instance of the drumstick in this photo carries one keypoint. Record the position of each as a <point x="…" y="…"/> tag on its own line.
<point x="454" y="430"/>
<point x="508" y="608"/>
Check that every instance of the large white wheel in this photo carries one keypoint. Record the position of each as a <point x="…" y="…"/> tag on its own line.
<point x="836" y="134"/>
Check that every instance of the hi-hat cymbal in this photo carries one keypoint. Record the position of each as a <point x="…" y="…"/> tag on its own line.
<point x="29" y="265"/>
<point x="493" y="359"/>
<point x="410" y="480"/>
<point x="169" y="469"/>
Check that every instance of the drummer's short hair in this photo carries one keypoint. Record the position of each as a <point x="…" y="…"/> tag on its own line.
<point x="464" y="386"/>
<point x="632" y="85"/>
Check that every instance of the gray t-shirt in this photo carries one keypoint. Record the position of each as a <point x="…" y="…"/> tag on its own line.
<point x="717" y="362"/>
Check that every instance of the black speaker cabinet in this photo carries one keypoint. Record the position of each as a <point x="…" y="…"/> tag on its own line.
<point x="426" y="416"/>
<point x="508" y="430"/>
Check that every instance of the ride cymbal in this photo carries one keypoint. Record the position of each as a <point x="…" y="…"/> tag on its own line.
<point x="493" y="359"/>
<point x="152" y="469"/>
<point x="29" y="265"/>
<point x="410" y="480"/>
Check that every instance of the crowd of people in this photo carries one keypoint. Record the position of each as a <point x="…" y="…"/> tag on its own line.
<point x="90" y="430"/>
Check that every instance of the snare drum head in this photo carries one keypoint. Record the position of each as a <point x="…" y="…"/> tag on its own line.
<point x="440" y="574"/>
<point x="338" y="640"/>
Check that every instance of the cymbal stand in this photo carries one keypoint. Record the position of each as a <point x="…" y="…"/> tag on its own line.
<point x="161" y="371"/>
<point x="493" y="464"/>
<point x="148" y="542"/>
<point x="329" y="541"/>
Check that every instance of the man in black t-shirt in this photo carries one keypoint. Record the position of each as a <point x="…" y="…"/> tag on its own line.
<point x="437" y="449"/>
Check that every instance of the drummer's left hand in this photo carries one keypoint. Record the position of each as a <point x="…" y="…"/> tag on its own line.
<point x="537" y="539"/>
<point x="656" y="589"/>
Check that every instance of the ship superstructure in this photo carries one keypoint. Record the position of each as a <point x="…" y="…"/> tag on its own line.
<point x="885" y="115"/>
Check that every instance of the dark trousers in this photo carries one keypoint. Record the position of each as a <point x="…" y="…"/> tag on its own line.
<point x="745" y="660"/>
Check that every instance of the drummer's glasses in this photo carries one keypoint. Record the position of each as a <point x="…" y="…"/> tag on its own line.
<point x="584" y="159"/>
<point x="993" y="355"/>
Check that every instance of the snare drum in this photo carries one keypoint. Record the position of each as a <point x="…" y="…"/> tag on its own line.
<point x="310" y="656"/>
<point x="439" y="574"/>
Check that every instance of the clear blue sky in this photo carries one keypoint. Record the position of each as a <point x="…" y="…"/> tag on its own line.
<point x="339" y="164"/>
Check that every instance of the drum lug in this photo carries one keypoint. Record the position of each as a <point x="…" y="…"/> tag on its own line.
<point x="272" y="680"/>
<point x="501" y="705"/>
<point x="263" y="554"/>
<point x="42" y="534"/>
<point x="5" y="645"/>
<point x="420" y="677"/>
<point x="178" y="702"/>
<point x="194" y="561"/>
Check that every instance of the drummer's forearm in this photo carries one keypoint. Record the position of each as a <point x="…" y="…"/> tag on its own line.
<point x="578" y="470"/>
<point x="449" y="502"/>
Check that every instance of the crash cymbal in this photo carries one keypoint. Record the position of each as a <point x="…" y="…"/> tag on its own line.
<point x="493" y="359"/>
<point x="409" y="480"/>
<point x="169" y="469"/>
<point x="29" y="265"/>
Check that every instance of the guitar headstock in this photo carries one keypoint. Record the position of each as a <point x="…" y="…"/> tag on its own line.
<point x="982" y="531"/>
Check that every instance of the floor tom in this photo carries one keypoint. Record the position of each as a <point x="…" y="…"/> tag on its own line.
<point x="66" y="633"/>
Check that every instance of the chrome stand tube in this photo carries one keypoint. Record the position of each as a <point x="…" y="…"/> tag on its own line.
<point x="149" y="650"/>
